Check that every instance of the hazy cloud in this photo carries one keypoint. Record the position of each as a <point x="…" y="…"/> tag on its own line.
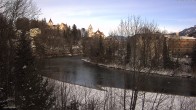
<point x="104" y="12"/>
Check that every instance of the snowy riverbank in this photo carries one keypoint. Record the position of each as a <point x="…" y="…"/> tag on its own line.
<point x="167" y="72"/>
<point x="108" y="98"/>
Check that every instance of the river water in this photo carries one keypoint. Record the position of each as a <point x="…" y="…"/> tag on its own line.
<point x="75" y="71"/>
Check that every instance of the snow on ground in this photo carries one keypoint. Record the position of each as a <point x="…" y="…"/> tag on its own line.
<point x="184" y="69"/>
<point x="107" y="98"/>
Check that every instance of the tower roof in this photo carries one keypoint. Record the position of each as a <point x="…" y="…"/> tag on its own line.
<point x="90" y="26"/>
<point x="50" y="20"/>
<point x="99" y="32"/>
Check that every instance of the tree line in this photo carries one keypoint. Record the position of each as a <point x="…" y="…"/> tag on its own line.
<point x="136" y="43"/>
<point x="52" y="40"/>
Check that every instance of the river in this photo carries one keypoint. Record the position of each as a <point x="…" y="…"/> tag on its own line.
<point x="75" y="71"/>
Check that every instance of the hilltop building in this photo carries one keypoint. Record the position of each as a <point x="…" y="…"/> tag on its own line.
<point x="35" y="32"/>
<point x="90" y="31"/>
<point x="97" y="33"/>
<point x="62" y="26"/>
<point x="50" y="23"/>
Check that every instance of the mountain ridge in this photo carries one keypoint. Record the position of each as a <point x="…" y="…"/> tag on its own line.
<point x="188" y="32"/>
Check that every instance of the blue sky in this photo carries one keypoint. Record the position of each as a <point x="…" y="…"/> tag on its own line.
<point x="105" y="15"/>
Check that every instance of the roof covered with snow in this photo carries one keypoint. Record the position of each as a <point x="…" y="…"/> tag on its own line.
<point x="186" y="37"/>
<point x="181" y="37"/>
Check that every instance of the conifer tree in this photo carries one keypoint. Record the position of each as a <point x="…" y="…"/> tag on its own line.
<point x="101" y="49"/>
<point x="193" y="59"/>
<point x="6" y="59"/>
<point x="128" y="49"/>
<point x="31" y="91"/>
<point x="167" y="63"/>
<point x="74" y="33"/>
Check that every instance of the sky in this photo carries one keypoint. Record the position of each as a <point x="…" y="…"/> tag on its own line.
<point x="105" y="15"/>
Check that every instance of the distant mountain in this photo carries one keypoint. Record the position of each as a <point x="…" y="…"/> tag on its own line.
<point x="193" y="34"/>
<point x="189" y="31"/>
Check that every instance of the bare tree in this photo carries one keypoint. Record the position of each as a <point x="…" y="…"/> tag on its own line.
<point x="14" y="9"/>
<point x="141" y="48"/>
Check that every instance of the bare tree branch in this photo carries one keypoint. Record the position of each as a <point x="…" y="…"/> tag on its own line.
<point x="19" y="8"/>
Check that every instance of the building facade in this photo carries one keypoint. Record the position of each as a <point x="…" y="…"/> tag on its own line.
<point x="97" y="33"/>
<point x="90" y="31"/>
<point x="62" y="26"/>
<point x="181" y="46"/>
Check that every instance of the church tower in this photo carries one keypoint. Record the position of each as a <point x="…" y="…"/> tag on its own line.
<point x="50" y="23"/>
<point x="90" y="31"/>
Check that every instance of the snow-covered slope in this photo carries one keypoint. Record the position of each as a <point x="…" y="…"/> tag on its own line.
<point x="188" y="31"/>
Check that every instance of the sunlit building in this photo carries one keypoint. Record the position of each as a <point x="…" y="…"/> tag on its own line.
<point x="181" y="46"/>
<point x="90" y="31"/>
<point x="50" y="23"/>
<point x="97" y="33"/>
<point x="35" y="32"/>
<point x="62" y="26"/>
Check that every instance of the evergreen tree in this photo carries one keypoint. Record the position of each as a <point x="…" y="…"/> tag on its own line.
<point x="3" y="60"/>
<point x="68" y="39"/>
<point x="108" y="54"/>
<point x="193" y="60"/>
<point x="31" y="91"/>
<point x="22" y="24"/>
<point x="167" y="63"/>
<point x="40" y="50"/>
<point x="6" y="58"/>
<point x="100" y="49"/>
<point x="128" y="49"/>
<point x="74" y="33"/>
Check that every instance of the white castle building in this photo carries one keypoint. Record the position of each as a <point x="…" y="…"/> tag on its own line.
<point x="97" y="33"/>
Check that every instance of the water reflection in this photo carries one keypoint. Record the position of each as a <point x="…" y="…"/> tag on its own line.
<point x="75" y="71"/>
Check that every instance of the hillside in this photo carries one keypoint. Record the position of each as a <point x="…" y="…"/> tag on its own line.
<point x="188" y="31"/>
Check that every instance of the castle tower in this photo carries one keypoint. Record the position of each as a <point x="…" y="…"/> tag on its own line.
<point x="90" y="31"/>
<point x="50" y="23"/>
